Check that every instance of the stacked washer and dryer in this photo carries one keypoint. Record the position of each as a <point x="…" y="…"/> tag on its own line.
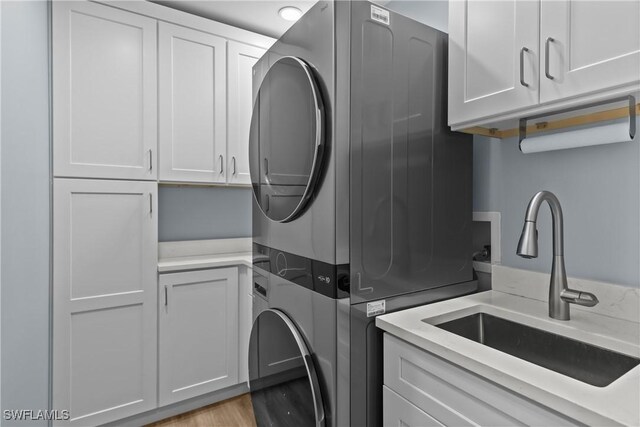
<point x="362" y="205"/>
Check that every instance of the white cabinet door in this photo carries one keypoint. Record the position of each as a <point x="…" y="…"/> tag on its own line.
<point x="241" y="59"/>
<point x="493" y="57"/>
<point x="192" y="97"/>
<point x="104" y="92"/>
<point x="592" y="46"/>
<point x="399" y="412"/>
<point x="104" y="296"/>
<point x="198" y="333"/>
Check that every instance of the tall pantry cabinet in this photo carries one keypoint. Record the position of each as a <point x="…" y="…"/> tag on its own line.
<point x="136" y="99"/>
<point x="105" y="231"/>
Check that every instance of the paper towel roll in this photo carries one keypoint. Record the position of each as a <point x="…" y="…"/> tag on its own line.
<point x="607" y="134"/>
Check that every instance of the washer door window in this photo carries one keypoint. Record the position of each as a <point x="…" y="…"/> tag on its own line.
<point x="282" y="376"/>
<point x="286" y="142"/>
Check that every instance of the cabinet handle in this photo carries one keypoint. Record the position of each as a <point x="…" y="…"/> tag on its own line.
<point x="150" y="203"/>
<point x="166" y="296"/>
<point x="150" y="159"/>
<point x="221" y="162"/>
<point x="522" y="51"/>
<point x="233" y="160"/>
<point x="546" y="57"/>
<point x="266" y="167"/>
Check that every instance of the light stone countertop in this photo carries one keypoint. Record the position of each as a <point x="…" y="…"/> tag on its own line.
<point x="201" y="254"/>
<point x="615" y="404"/>
<point x="198" y="262"/>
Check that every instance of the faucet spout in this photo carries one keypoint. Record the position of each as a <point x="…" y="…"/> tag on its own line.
<point x="531" y="217"/>
<point x="560" y="296"/>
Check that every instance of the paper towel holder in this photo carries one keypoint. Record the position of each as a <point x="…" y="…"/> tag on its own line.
<point x="522" y="128"/>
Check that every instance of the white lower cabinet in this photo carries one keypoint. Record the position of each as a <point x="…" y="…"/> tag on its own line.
<point x="104" y="299"/>
<point x="198" y="333"/>
<point x="428" y="390"/>
<point x="400" y="412"/>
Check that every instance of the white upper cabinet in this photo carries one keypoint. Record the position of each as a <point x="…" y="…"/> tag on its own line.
<point x="131" y="93"/>
<point x="198" y="333"/>
<point x="104" y="298"/>
<point x="591" y="45"/>
<point x="493" y="57"/>
<point x="241" y="59"/>
<point x="510" y="59"/>
<point x="104" y="92"/>
<point x="192" y="84"/>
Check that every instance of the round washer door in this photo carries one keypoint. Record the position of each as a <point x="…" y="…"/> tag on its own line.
<point x="286" y="142"/>
<point x="282" y="377"/>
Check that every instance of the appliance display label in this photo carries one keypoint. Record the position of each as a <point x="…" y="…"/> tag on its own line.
<point x="375" y="308"/>
<point x="379" y="14"/>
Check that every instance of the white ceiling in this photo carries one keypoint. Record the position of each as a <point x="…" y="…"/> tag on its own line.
<point x="260" y="16"/>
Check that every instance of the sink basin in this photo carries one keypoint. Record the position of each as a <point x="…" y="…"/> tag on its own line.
<point x="584" y="362"/>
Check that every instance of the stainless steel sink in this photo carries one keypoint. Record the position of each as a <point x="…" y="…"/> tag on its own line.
<point x="584" y="362"/>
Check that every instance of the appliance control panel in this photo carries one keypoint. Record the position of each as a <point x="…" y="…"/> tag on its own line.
<point x="327" y="279"/>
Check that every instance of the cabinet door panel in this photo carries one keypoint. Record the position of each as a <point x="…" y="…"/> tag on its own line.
<point x="104" y="92"/>
<point x="486" y="41"/>
<point x="192" y="81"/>
<point x="595" y="46"/>
<point x="399" y="412"/>
<point x="117" y="332"/>
<point x="242" y="58"/>
<point x="104" y="269"/>
<point x="198" y="333"/>
<point x="122" y="267"/>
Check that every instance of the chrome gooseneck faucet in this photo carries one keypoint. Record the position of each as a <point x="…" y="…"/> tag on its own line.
<point x="560" y="296"/>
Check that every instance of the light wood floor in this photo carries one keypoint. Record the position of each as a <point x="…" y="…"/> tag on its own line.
<point x="234" y="412"/>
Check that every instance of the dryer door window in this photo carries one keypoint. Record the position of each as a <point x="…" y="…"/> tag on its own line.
<point x="286" y="142"/>
<point x="282" y="376"/>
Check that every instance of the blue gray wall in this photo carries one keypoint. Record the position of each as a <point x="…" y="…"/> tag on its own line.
<point x="434" y="13"/>
<point x="599" y="188"/>
<point x="25" y="192"/>
<point x="197" y="213"/>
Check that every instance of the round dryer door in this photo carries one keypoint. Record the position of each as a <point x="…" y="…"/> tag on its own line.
<point x="282" y="376"/>
<point x="286" y="142"/>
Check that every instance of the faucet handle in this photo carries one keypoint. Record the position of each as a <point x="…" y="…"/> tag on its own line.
<point x="586" y="299"/>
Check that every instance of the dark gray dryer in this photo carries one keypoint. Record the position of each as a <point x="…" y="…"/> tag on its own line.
<point x="362" y="204"/>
